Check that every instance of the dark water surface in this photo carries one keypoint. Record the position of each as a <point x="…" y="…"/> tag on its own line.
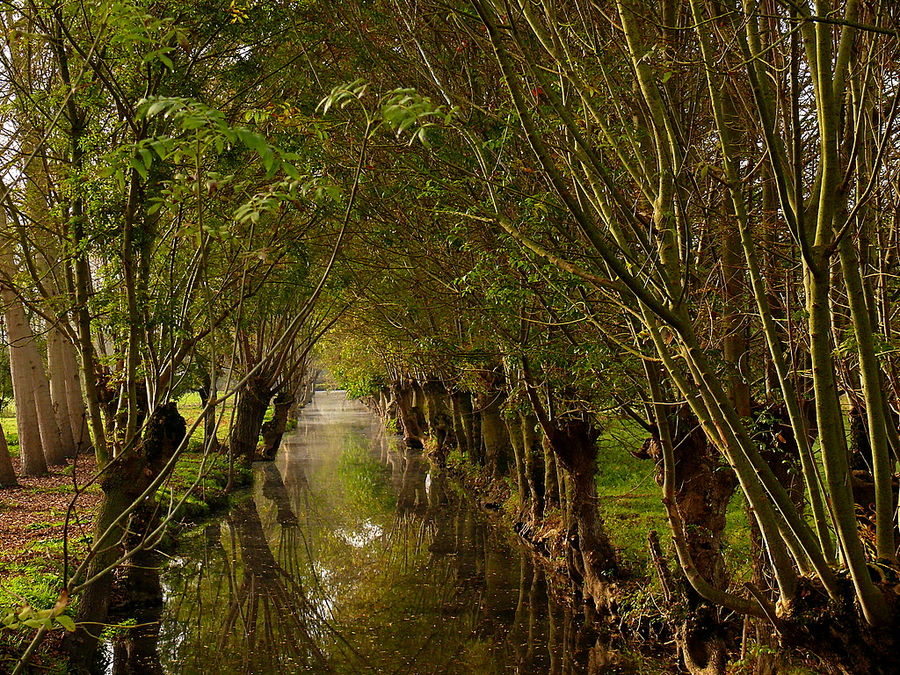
<point x="353" y="556"/>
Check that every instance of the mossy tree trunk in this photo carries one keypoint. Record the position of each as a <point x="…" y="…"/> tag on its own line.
<point x="253" y="401"/>
<point x="408" y="414"/>
<point x="273" y="430"/>
<point x="497" y="448"/>
<point x="514" y="430"/>
<point x="534" y="464"/>
<point x="574" y="443"/>
<point x="463" y="421"/>
<point x="207" y="391"/>
<point x="135" y="470"/>
<point x="440" y="419"/>
<point x="703" y="489"/>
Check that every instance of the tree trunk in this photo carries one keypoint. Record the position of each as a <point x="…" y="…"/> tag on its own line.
<point x="534" y="465"/>
<point x="408" y="415"/>
<point x="464" y="420"/>
<point x="7" y="475"/>
<point x="419" y="405"/>
<point x="440" y="419"/>
<point x="207" y="391"/>
<point x="552" y="497"/>
<point x="514" y="431"/>
<point x="253" y="401"/>
<point x="78" y="416"/>
<point x="59" y="399"/>
<point x="497" y="448"/>
<point x="573" y="442"/>
<point x="134" y="472"/>
<point x="703" y="489"/>
<point x="51" y="440"/>
<point x="31" y="451"/>
<point x="273" y="430"/>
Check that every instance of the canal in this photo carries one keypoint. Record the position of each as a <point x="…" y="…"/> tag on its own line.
<point x="351" y="555"/>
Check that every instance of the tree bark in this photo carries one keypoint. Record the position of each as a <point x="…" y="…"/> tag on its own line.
<point x="574" y="443"/>
<point x="135" y="470"/>
<point x="31" y="451"/>
<point x="7" y="474"/>
<point x="534" y="464"/>
<point x="253" y="401"/>
<point x="514" y="431"/>
<point x="78" y="415"/>
<point x="440" y="419"/>
<point x="497" y="448"/>
<point x="408" y="415"/>
<point x="58" y="391"/>
<point x="273" y="430"/>
<point x="51" y="440"/>
<point x="206" y="391"/>
<point x="463" y="420"/>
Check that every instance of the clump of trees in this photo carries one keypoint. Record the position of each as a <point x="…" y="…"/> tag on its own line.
<point x="679" y="212"/>
<point x="170" y="219"/>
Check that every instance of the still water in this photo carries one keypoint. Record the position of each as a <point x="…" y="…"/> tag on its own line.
<point x="351" y="555"/>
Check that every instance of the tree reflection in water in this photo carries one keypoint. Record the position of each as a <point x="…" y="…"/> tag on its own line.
<point x="352" y="555"/>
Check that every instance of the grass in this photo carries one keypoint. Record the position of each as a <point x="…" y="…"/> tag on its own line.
<point x="35" y="578"/>
<point x="190" y="407"/>
<point x="211" y="477"/>
<point x="630" y="499"/>
<point x="631" y="504"/>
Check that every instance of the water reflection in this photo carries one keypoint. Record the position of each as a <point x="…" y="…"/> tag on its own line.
<point x="351" y="556"/>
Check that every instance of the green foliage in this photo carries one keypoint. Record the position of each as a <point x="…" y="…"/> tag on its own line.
<point x="32" y="600"/>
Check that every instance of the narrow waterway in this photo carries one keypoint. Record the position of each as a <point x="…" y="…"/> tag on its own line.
<point x="351" y="555"/>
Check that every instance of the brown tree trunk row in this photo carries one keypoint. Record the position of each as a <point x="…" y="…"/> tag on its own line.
<point x="554" y="464"/>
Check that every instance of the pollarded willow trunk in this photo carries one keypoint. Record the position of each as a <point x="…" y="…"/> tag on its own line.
<point x="387" y="409"/>
<point x="463" y="421"/>
<point x="497" y="448"/>
<point x="574" y="443"/>
<point x="419" y="405"/>
<point x="703" y="489"/>
<point x="273" y="430"/>
<point x="133" y="473"/>
<point x="253" y="401"/>
<point x="514" y="430"/>
<point x="534" y="464"/>
<point x="7" y="473"/>
<point x="552" y="497"/>
<point x="207" y="391"/>
<point x="404" y="396"/>
<point x="440" y="419"/>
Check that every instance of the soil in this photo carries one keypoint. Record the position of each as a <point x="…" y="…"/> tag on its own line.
<point x="35" y="512"/>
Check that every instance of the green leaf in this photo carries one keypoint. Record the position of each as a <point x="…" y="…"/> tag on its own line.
<point x="138" y="166"/>
<point x="66" y="622"/>
<point x="156" y="107"/>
